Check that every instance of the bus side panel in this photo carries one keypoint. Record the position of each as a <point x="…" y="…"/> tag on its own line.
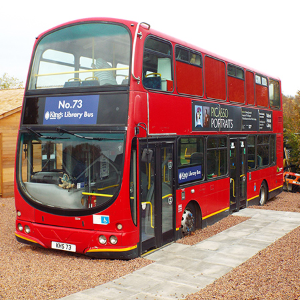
<point x="277" y="121"/>
<point x="169" y="114"/>
<point x="212" y="198"/>
<point x="257" y="177"/>
<point x="218" y="195"/>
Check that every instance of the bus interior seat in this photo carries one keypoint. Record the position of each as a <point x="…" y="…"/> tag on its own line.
<point x="152" y="82"/>
<point x="90" y="83"/>
<point x="196" y="158"/>
<point x="72" y="84"/>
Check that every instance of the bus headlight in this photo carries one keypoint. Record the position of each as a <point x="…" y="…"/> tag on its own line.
<point x="119" y="226"/>
<point x="18" y="213"/>
<point x="27" y="229"/>
<point x="102" y="240"/>
<point x="113" y="240"/>
<point x="20" y="227"/>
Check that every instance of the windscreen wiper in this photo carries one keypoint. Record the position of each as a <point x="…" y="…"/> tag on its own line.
<point x="47" y="137"/>
<point x="61" y="130"/>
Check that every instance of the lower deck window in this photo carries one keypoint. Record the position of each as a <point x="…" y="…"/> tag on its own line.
<point x="190" y="159"/>
<point x="261" y="151"/>
<point x="216" y="157"/>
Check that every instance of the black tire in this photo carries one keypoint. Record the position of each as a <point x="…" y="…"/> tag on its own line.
<point x="263" y="194"/>
<point x="189" y="220"/>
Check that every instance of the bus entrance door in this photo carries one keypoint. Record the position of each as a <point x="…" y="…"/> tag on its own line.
<point x="238" y="173"/>
<point x="157" y="196"/>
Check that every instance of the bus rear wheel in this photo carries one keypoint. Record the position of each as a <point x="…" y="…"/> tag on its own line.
<point x="188" y="221"/>
<point x="263" y="194"/>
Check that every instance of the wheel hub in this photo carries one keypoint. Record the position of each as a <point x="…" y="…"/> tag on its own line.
<point x="187" y="222"/>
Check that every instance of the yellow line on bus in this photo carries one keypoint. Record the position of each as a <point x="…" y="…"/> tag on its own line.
<point x="252" y="198"/>
<point x="276" y="188"/>
<point x="215" y="213"/>
<point x="21" y="237"/>
<point x="269" y="192"/>
<point x="113" y="250"/>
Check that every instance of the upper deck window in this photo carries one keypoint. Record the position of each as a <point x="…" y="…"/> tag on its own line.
<point x="82" y="55"/>
<point x="261" y="80"/>
<point x="235" y="71"/>
<point x="189" y="76"/>
<point x="157" y="65"/>
<point x="236" y="84"/>
<point x="261" y="91"/>
<point x="274" y="93"/>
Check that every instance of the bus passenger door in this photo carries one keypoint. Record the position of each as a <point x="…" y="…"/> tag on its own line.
<point x="238" y="173"/>
<point x="157" y="196"/>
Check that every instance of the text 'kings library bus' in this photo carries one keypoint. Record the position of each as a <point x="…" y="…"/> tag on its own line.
<point x="130" y="139"/>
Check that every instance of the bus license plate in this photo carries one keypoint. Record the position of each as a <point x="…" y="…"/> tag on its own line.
<point x="63" y="246"/>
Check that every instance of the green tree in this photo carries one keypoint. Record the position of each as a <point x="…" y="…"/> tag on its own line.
<point x="10" y="82"/>
<point x="291" y="123"/>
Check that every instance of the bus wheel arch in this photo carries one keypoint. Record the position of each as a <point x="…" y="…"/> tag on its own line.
<point x="263" y="193"/>
<point x="191" y="218"/>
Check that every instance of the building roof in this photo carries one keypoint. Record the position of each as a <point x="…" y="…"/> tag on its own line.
<point x="10" y="101"/>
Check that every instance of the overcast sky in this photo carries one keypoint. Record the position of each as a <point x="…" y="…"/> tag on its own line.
<point x="261" y="34"/>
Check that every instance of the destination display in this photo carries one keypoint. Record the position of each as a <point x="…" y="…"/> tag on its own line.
<point x="221" y="117"/>
<point x="105" y="109"/>
<point x="71" y="110"/>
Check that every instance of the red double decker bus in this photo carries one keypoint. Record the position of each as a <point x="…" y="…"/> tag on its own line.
<point x="130" y="139"/>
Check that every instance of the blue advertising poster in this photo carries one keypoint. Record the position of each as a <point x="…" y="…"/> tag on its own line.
<point x="71" y="110"/>
<point x="190" y="174"/>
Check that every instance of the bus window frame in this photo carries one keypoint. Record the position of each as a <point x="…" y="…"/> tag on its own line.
<point x="236" y="68"/>
<point x="255" y="153"/>
<point x="271" y="163"/>
<point x="248" y="90"/>
<point x="154" y="52"/>
<point x="179" y="166"/>
<point x="190" y="52"/>
<point x="206" y="80"/>
<point x="274" y="107"/>
<point x="226" y="137"/>
<point x="86" y="89"/>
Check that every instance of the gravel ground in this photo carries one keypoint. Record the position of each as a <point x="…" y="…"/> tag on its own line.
<point x="28" y="272"/>
<point x="273" y="273"/>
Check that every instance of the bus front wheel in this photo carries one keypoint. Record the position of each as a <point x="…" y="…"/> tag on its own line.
<point x="263" y="194"/>
<point x="188" y="221"/>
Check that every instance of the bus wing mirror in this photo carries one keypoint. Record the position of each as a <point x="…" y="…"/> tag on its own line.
<point x="147" y="155"/>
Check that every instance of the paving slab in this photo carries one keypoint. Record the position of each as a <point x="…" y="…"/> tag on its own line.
<point x="179" y="270"/>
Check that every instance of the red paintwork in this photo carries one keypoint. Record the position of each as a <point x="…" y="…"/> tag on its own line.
<point x="211" y="196"/>
<point x="250" y="88"/>
<point x="236" y="90"/>
<point x="262" y="97"/>
<point x="189" y="79"/>
<point x="215" y="78"/>
<point x="165" y="113"/>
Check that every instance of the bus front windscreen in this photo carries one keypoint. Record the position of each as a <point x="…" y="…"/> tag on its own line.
<point x="82" y="56"/>
<point x="68" y="170"/>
